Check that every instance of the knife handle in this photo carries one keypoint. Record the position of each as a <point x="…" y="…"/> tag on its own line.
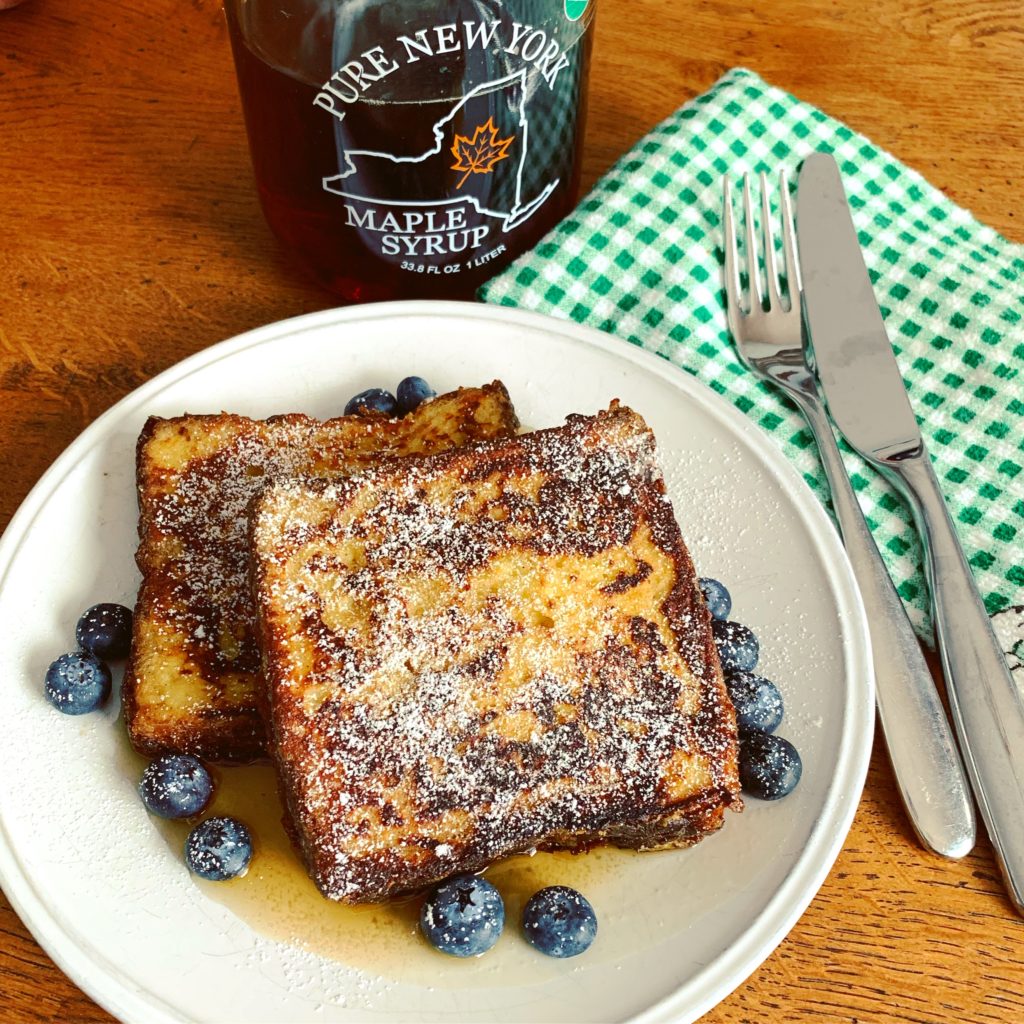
<point x="922" y="750"/>
<point x="987" y="707"/>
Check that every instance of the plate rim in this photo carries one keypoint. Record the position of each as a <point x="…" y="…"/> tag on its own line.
<point x="720" y="976"/>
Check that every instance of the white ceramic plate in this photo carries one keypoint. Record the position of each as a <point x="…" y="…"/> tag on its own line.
<point x="110" y="900"/>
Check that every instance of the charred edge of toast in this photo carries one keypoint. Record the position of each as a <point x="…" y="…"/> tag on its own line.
<point x="495" y="388"/>
<point x="669" y="825"/>
<point x="715" y="723"/>
<point x="236" y="738"/>
<point x="129" y="701"/>
<point x="682" y="826"/>
<point x="238" y="735"/>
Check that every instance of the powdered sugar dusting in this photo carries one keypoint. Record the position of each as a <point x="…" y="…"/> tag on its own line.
<point x="489" y="651"/>
<point x="198" y="478"/>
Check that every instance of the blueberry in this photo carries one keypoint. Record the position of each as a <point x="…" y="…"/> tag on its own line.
<point x="463" y="916"/>
<point x="737" y="646"/>
<point x="770" y="766"/>
<point x="412" y="391"/>
<point x="77" y="683"/>
<point x="559" y="921"/>
<point x="176" y="786"/>
<point x="757" y="701"/>
<point x="719" y="600"/>
<point x="373" y="400"/>
<point x="218" y="849"/>
<point x="106" y="630"/>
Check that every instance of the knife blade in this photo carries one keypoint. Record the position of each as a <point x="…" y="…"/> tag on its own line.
<point x="868" y="402"/>
<point x="852" y="353"/>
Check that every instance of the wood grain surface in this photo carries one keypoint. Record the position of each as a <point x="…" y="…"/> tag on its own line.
<point x="130" y="237"/>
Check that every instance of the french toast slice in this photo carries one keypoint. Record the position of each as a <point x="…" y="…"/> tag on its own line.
<point x="191" y="681"/>
<point x="498" y="648"/>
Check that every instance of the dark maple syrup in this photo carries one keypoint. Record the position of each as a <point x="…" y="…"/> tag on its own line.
<point x="278" y="901"/>
<point x="363" y="202"/>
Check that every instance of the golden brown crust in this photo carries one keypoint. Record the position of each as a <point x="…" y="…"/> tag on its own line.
<point x="191" y="680"/>
<point x="492" y="649"/>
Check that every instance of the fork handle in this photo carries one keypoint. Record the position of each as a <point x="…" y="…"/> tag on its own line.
<point x="922" y="750"/>
<point x="987" y="706"/>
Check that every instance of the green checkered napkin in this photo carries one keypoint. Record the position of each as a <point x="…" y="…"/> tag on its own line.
<point x="641" y="257"/>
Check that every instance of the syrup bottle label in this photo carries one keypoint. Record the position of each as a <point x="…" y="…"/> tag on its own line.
<point x="451" y="136"/>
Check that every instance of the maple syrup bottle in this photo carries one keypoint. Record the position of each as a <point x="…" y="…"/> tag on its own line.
<point x="412" y="149"/>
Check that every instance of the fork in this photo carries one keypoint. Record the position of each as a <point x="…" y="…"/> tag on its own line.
<point x="772" y="342"/>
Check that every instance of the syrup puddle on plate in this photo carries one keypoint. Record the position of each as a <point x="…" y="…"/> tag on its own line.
<point x="277" y="900"/>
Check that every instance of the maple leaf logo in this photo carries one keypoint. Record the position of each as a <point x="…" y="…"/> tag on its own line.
<point x="479" y="154"/>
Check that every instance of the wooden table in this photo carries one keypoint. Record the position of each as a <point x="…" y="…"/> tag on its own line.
<point x="131" y="238"/>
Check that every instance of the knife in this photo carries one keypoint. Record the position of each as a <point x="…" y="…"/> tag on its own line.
<point x="868" y="402"/>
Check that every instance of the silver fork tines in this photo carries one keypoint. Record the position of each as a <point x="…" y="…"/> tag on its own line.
<point x="769" y="335"/>
<point x="739" y="304"/>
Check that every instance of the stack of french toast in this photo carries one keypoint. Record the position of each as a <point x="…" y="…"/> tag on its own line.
<point x="455" y="641"/>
